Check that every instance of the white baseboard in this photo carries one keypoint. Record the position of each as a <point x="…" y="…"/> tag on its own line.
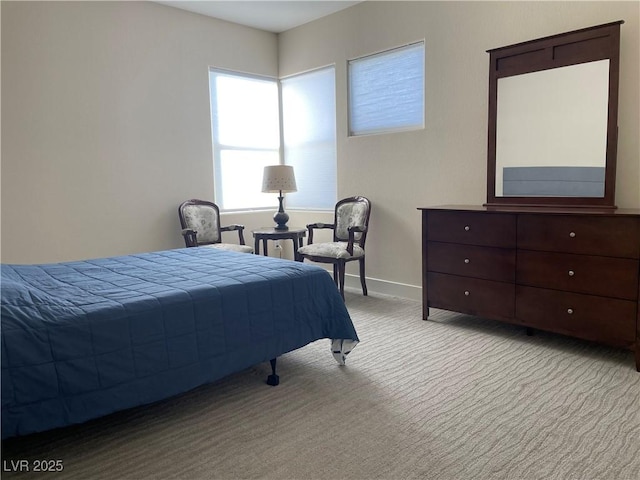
<point x="385" y="287"/>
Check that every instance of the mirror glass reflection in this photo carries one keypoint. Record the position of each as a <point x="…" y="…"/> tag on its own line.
<point x="551" y="132"/>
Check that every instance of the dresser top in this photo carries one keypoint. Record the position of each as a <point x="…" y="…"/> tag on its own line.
<point x="618" y="212"/>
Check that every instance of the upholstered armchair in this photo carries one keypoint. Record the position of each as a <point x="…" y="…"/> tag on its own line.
<point x="200" y="221"/>
<point x="350" y="226"/>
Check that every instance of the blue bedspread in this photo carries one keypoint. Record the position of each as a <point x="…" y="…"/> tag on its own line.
<point x="84" y="339"/>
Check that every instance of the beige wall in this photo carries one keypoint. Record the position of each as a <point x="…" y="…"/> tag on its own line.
<point x="105" y="118"/>
<point x="106" y="125"/>
<point x="446" y="162"/>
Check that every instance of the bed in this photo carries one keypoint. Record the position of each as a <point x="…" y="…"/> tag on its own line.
<point x="84" y="339"/>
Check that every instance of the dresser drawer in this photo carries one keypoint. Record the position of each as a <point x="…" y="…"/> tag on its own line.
<point x="590" y="235"/>
<point x="471" y="295"/>
<point x="472" y="228"/>
<point x="472" y="261"/>
<point x="605" y="276"/>
<point x="601" y="319"/>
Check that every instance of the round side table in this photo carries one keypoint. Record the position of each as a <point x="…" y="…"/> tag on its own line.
<point x="269" y="233"/>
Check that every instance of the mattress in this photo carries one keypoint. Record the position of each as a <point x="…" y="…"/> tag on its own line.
<point x="84" y="339"/>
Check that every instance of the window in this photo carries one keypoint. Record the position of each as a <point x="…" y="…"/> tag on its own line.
<point x="309" y="132"/>
<point x="246" y="137"/>
<point x="386" y="91"/>
<point x="245" y="122"/>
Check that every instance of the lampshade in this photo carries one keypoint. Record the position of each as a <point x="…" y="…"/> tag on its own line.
<point x="278" y="178"/>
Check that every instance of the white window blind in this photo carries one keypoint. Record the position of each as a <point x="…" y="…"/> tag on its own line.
<point x="386" y="91"/>
<point x="246" y="137"/>
<point x="309" y="132"/>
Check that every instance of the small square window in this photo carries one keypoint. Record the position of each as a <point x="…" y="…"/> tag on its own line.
<point x="386" y="91"/>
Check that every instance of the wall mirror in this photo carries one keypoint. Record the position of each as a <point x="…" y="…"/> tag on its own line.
<point x="553" y="108"/>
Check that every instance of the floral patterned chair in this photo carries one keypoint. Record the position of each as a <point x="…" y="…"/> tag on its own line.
<point x="350" y="226"/>
<point x="200" y="221"/>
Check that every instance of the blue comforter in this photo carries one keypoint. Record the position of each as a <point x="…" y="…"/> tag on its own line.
<point x="84" y="339"/>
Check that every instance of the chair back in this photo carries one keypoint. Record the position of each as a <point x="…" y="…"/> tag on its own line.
<point x="351" y="212"/>
<point x="204" y="218"/>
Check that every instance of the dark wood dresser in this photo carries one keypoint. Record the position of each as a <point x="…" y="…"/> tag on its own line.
<point x="570" y="271"/>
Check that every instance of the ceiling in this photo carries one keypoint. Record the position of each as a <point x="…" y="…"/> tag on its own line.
<point x="272" y="16"/>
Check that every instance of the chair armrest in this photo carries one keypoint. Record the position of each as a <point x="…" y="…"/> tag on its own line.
<point x="357" y="228"/>
<point x="231" y="228"/>
<point x="190" y="239"/>
<point x="319" y="225"/>
<point x="352" y="232"/>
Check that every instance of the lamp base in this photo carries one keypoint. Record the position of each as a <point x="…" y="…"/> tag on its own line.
<point x="281" y="217"/>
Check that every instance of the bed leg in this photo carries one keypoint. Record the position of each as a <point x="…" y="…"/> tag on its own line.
<point x="273" y="379"/>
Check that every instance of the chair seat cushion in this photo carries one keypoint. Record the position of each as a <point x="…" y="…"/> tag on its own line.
<point x="232" y="247"/>
<point x="337" y="250"/>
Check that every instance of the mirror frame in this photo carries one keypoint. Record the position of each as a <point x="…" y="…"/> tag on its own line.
<point x="601" y="42"/>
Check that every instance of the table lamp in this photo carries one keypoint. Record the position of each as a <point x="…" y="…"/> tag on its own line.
<point x="279" y="179"/>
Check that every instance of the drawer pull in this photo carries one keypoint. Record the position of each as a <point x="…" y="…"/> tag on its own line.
<point x="467" y="228"/>
<point x="571" y="273"/>
<point x="570" y="311"/>
<point x="572" y="234"/>
<point x="466" y="293"/>
<point x="466" y="260"/>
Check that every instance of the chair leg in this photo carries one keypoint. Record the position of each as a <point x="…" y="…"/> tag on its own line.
<point x="362" y="281"/>
<point x="341" y="270"/>
<point x="335" y="273"/>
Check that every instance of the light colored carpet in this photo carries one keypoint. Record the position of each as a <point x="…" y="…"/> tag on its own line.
<point x="455" y="397"/>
